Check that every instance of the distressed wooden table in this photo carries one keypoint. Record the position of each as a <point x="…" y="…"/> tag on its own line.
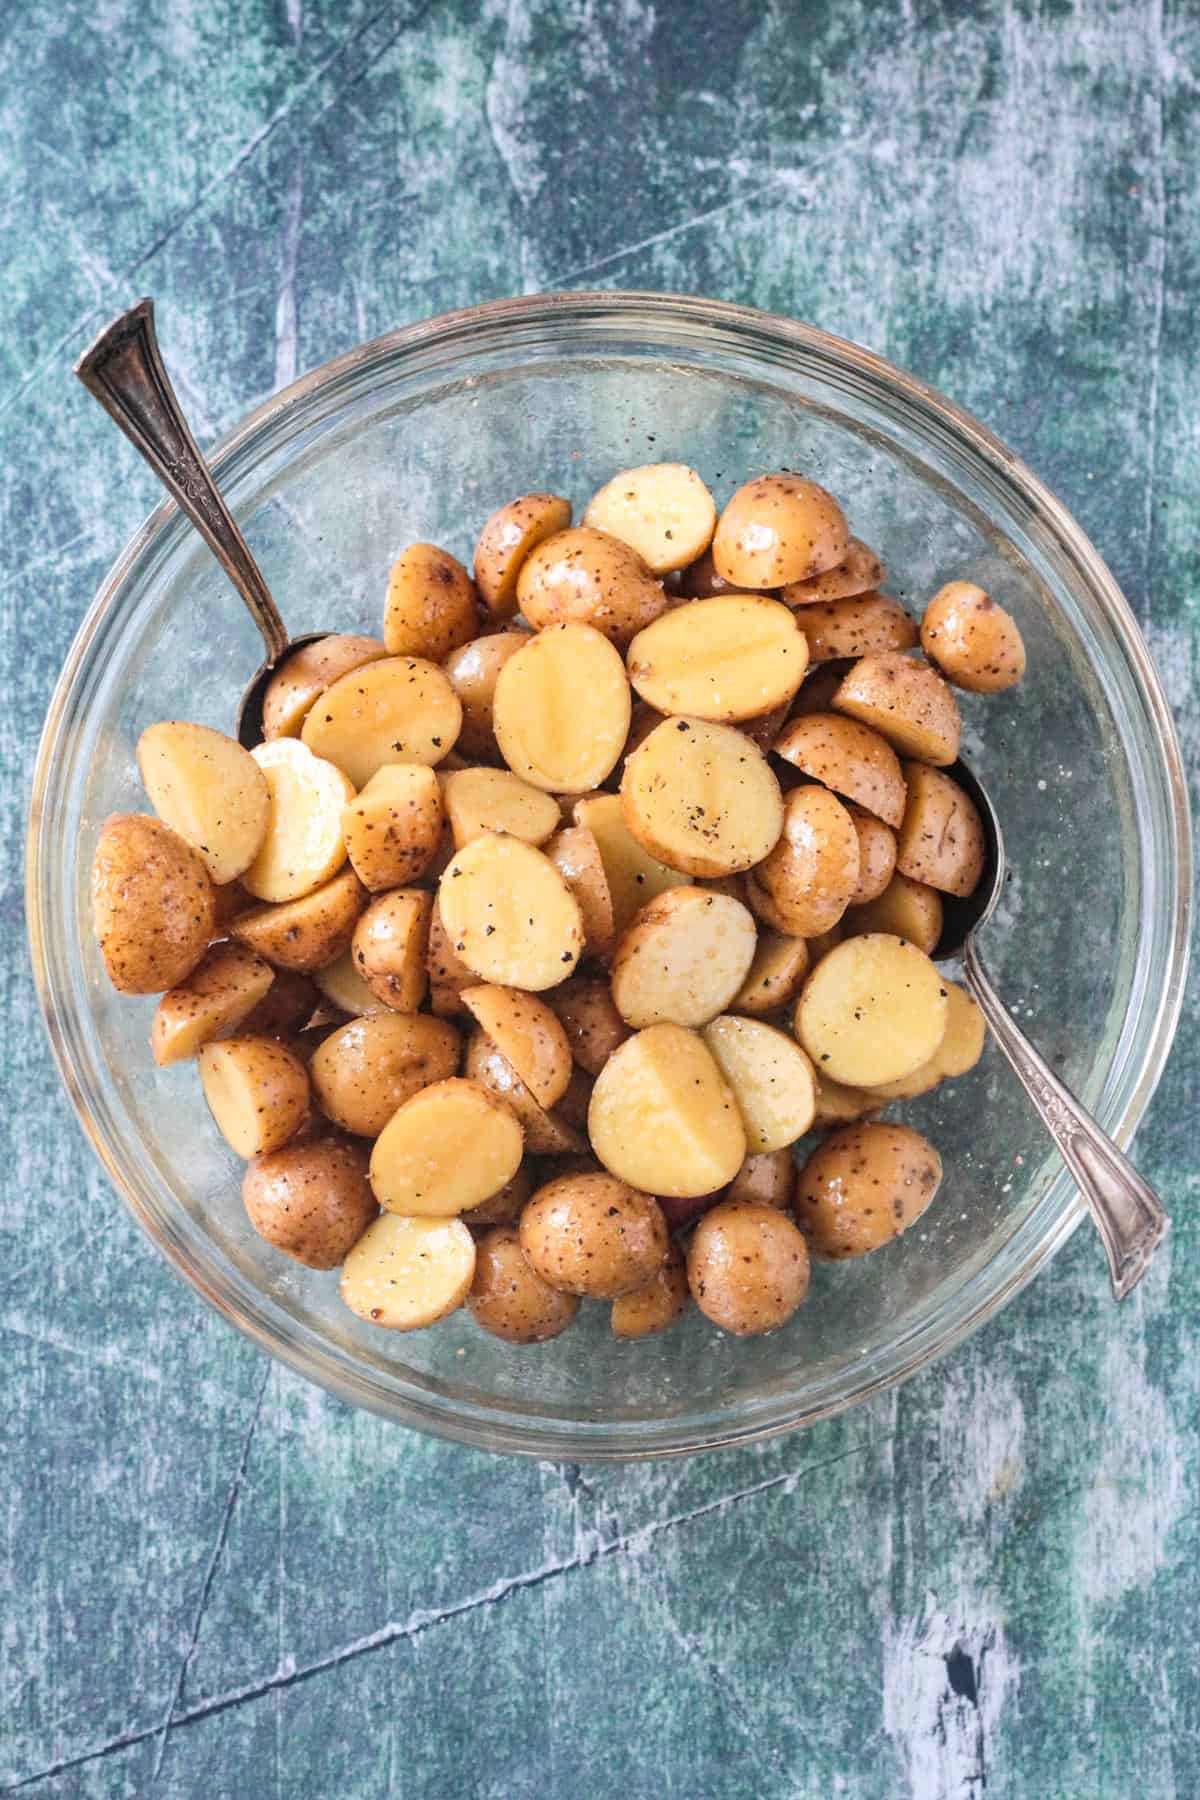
<point x="219" y="1582"/>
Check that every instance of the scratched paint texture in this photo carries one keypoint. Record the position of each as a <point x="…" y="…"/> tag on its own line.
<point x="217" y="1580"/>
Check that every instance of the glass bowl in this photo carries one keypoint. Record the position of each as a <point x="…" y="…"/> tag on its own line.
<point x="420" y="435"/>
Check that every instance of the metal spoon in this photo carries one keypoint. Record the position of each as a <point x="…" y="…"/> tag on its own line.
<point x="1127" y="1213"/>
<point x="124" y="370"/>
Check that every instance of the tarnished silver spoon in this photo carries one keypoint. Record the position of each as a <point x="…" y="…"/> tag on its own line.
<point x="124" y="370"/>
<point x="1127" y="1212"/>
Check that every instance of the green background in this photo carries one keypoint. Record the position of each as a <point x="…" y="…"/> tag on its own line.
<point x="220" y="1582"/>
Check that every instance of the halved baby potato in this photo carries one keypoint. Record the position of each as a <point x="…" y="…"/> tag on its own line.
<point x="508" y="537"/>
<point x="683" y="958"/>
<point x="907" y="702"/>
<point x="561" y="709"/>
<point x="632" y="874"/>
<point x="506" y="1205"/>
<point x="848" y="757"/>
<point x="589" y="578"/>
<point x="771" y="1077"/>
<point x="305" y="934"/>
<point x="303" y="845"/>
<point x="941" y="841"/>
<point x="391" y="944"/>
<point x="208" y="790"/>
<point x="223" y="989"/>
<point x="872" y="1011"/>
<point x="479" y="800"/>
<point x="473" y="672"/>
<point x="448" y="973"/>
<point x="586" y="1011"/>
<point x="958" y="1052"/>
<point x="662" y="510"/>
<point x="510" y="915"/>
<point x="775" y="975"/>
<point x="855" y="627"/>
<point x="973" y="641"/>
<point x="286" y="1007"/>
<point x="702" y="798"/>
<point x="876" y="854"/>
<point x="863" y="1186"/>
<point x="430" y="608"/>
<point x="664" y="1118"/>
<point x="732" y="658"/>
<point x="906" y="909"/>
<point x="647" y="1310"/>
<point x="528" y="1035"/>
<point x="344" y="988"/>
<point x="392" y="830"/>
<point x="546" y="1133"/>
<point x="257" y="1091"/>
<point x="366" y="1069"/>
<point x="445" y="1150"/>
<point x="766" y="1178"/>
<point x="777" y="529"/>
<point x="404" y="1273"/>
<point x="302" y="678"/>
<point x="312" y="1201"/>
<point x="153" y="904"/>
<point x="859" y="572"/>
<point x="509" y="1299"/>
<point x="576" y="855"/>
<point x="402" y="709"/>
<point x="813" y="870"/>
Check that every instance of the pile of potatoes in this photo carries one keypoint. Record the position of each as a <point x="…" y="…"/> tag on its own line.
<point x="523" y="950"/>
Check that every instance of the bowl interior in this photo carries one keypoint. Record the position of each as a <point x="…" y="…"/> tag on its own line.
<point x="421" y="437"/>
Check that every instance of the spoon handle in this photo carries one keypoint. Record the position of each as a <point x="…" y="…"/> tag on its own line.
<point x="124" y="370"/>
<point x="1127" y="1212"/>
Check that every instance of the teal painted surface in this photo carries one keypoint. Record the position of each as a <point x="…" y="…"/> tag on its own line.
<point x="220" y="1582"/>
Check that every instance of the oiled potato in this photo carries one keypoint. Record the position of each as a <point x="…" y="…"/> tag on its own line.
<point x="257" y="1091"/>
<point x="590" y="578"/>
<point x="229" y="900"/>
<point x="153" y="904"/>
<point x="905" y="700"/>
<point x="656" y="1305"/>
<point x="973" y="641"/>
<point x="727" y="659"/>
<point x="223" y="989"/>
<point x="941" y="840"/>
<point x="872" y="1011"/>
<point x="766" y="1178"/>
<point x="766" y="728"/>
<point x="508" y="1297"/>
<point x="510" y="915"/>
<point x="473" y="673"/>
<point x="402" y="709"/>
<point x="859" y="572"/>
<point x="312" y="1201"/>
<point x="777" y="529"/>
<point x="824" y="942"/>
<point x="683" y="958"/>
<point x="585" y="1009"/>
<point x="430" y="608"/>
<point x="392" y="830"/>
<point x="404" y="1273"/>
<point x="288" y="1004"/>
<point x="344" y="988"/>
<point x="305" y="934"/>
<point x="576" y="855"/>
<point x="841" y="1105"/>
<point x="700" y="580"/>
<point x="771" y="1077"/>
<point x="302" y="678"/>
<point x="448" y="974"/>
<point x="864" y="1186"/>
<point x="848" y="757"/>
<point x="594" y="1235"/>
<point x="208" y="790"/>
<point x="701" y="798"/>
<point x="391" y="944"/>
<point x="633" y="875"/>
<point x="363" y="1072"/>
<point x="747" y="1267"/>
<point x="303" y="845"/>
<point x="814" y="868"/>
<point x="507" y="539"/>
<point x="661" y="510"/>
<point x="444" y="1150"/>
<point x="906" y="909"/>
<point x="818" y="688"/>
<point x="857" y="627"/>
<point x="544" y="732"/>
<point x="775" y="976"/>
<point x="528" y="1035"/>
<point x="546" y="1133"/>
<point x="776" y="918"/>
<point x="479" y="800"/>
<point x="966" y="1030"/>
<point x="505" y="1206"/>
<point x="876" y="854"/>
<point x="664" y="1118"/>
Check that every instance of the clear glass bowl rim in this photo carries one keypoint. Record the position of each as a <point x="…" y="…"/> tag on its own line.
<point x="1060" y="1211"/>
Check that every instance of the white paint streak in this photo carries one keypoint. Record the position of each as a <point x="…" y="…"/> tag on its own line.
<point x="943" y="1735"/>
<point x="285" y="306"/>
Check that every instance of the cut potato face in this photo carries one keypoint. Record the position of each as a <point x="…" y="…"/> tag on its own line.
<point x="576" y="855"/>
<point x="400" y="710"/>
<point x="430" y="608"/>
<point x="153" y="904"/>
<point x="683" y="958"/>
<point x="209" y="790"/>
<point x="966" y="1033"/>
<point x="509" y="1299"/>
<point x="510" y="915"/>
<point x="859" y="572"/>
<point x="305" y="934"/>
<point x="848" y="757"/>
<point x="941" y="841"/>
<point x="594" y="1235"/>
<point x="528" y="1035"/>
<point x="507" y="539"/>
<point x="876" y="855"/>
<point x="661" y="510"/>
<point x="589" y="578"/>
<point x="632" y="874"/>
<point x="303" y="845"/>
<point x="747" y="1268"/>
<point x="777" y="529"/>
<point x="546" y="1133"/>
<point x="223" y="989"/>
<point x="732" y="658"/>
<point x="447" y="1149"/>
<point x="473" y="672"/>
<point x="302" y="678"/>
<point x="906" y="909"/>
<point x="586" y="1011"/>
<point x="392" y="830"/>
<point x="344" y="988"/>
<point x="561" y="709"/>
<point x="771" y="1077"/>
<point x="390" y="947"/>
<point x="481" y="800"/>
<point x="311" y="1200"/>
<point x="775" y="975"/>
<point x="838" y="1104"/>
<point x="853" y="628"/>
<point x="700" y="797"/>
<point x="814" y="868"/>
<point x="406" y="1273"/>
<point x="365" y="1070"/>
<point x="663" y="1117"/>
<point x="655" y="1307"/>
<point x="872" y="1011"/>
<point x="907" y="702"/>
<point x="864" y="1186"/>
<point x="766" y="1178"/>
<point x="974" y="642"/>
<point x="257" y="1091"/>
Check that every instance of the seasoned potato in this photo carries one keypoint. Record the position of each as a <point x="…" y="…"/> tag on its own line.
<point x="391" y="944"/>
<point x="430" y="608"/>
<point x="633" y="875"/>
<point x="303" y="846"/>
<point x="824" y="942"/>
<point x="473" y="672"/>
<point x="364" y="1071"/>
<point x="941" y="840"/>
<point x="701" y="798"/>
<point x="305" y="934"/>
<point x="208" y="790"/>
<point x="876" y="854"/>
<point x="859" y="572"/>
<point x="527" y="1035"/>
<point x="771" y="1077"/>
<point x="818" y="688"/>
<point x="853" y="628"/>
<point x="504" y="1207"/>
<point x="974" y="642"/>
<point x="575" y="1104"/>
<point x="404" y="1273"/>
<point x="727" y="659"/>
<point x="766" y="1178"/>
<point x="507" y="539"/>
<point x="302" y="678"/>
<point x="448" y="974"/>
<point x="762" y="905"/>
<point x="344" y="988"/>
<point x="446" y="1149"/>
<point x="288" y="1004"/>
<point x="663" y="1117"/>
<point x="508" y="1297"/>
<point x="747" y="1267"/>
<point x="649" y="1309"/>
<point x="966" y="1030"/>
<point x="312" y="1201"/>
<point x="584" y="1007"/>
<point x="257" y="1091"/>
<point x="661" y="510"/>
<point x="700" y="580"/>
<point x="594" y="1235"/>
<point x="589" y="578"/>
<point x="864" y="1186"/>
<point x="872" y="1011"/>
<point x="775" y="975"/>
<point x="545" y="734"/>
<point x="576" y="855"/>
<point x="766" y="728"/>
<point x="402" y="709"/>
<point x="546" y="1133"/>
<point x="393" y="829"/>
<point x="848" y="757"/>
<point x="683" y="958"/>
<point x="229" y="900"/>
<point x="480" y="800"/>
<point x="223" y="989"/>
<point x="841" y="1105"/>
<point x="777" y="529"/>
<point x="906" y="909"/>
<point x="905" y="700"/>
<point x="510" y="915"/>
<point x="814" y="868"/>
<point x="153" y="904"/>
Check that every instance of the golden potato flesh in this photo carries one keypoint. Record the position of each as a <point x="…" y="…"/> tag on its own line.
<point x="446" y="1149"/>
<point x="872" y="1011"/>
<point x="775" y="976"/>
<point x="528" y="1035"/>
<point x="510" y="915"/>
<point x="771" y="1077"/>
<point x="647" y="1310"/>
<point x="448" y="973"/>
<point x="663" y="1117"/>
<point x="392" y="830"/>
<point x="312" y="1201"/>
<point x="662" y="510"/>
<point x="814" y="868"/>
<point x="848" y="757"/>
<point x="344" y="988"/>
<point x="430" y="608"/>
<point x="405" y="1273"/>
<point x="700" y="797"/>
<point x="683" y="958"/>
<point x="594" y="1235"/>
<point x="223" y="989"/>
<point x="302" y="678"/>
<point x="402" y="709"/>
<point x="632" y="874"/>
<point x="153" y="904"/>
<point x="906" y="909"/>
<point x="480" y="800"/>
<point x="561" y="709"/>
<point x="776" y="529"/>
<point x="303" y="845"/>
<point x="509" y="1299"/>
<point x="859" y="572"/>
<point x="747" y="1267"/>
<point x="841" y="1105"/>
<point x="473" y="672"/>
<point x="907" y="702"/>
<point x="589" y="578"/>
<point x="973" y="641"/>
<point x="732" y="658"/>
<point x="363" y="1072"/>
<point x="966" y="1031"/>
<point x="507" y="538"/>
<point x="857" y="627"/>
<point x="876" y="855"/>
<point x="864" y="1186"/>
<point x="390" y="946"/>
<point x="257" y="1091"/>
<point x="209" y="790"/>
<point x="547" y="1133"/>
<point x="941" y="840"/>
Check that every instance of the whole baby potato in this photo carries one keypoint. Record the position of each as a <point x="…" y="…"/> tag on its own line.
<point x="645" y="1311"/>
<point x="973" y="641"/>
<point x="590" y="578"/>
<point x="864" y="1186"/>
<point x="366" y="1069"/>
<point x="747" y="1267"/>
<point x="311" y="1200"/>
<point x="473" y="671"/>
<point x="594" y="1235"/>
<point x="905" y="700"/>
<point x="506" y="541"/>
<point x="508" y="1298"/>
<point x="152" y="903"/>
<point x="776" y="529"/>
<point x="430" y="608"/>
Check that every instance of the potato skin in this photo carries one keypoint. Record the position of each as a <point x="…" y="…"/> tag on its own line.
<point x="645" y="1311"/>
<point x="907" y="909"/>
<point x="775" y="976"/>
<point x="226" y="985"/>
<point x="505" y="1206"/>
<point x="587" y="1013"/>
<point x="905" y="700"/>
<point x="941" y="840"/>
<point x="508" y="1298"/>
<point x="777" y="529"/>
<point x="366" y="1069"/>
<point x="855" y="627"/>
<point x="258" y="1092"/>
<point x="308" y="933"/>
<point x="153" y="904"/>
<point x="312" y="1201"/>
<point x="747" y="1267"/>
<point x="974" y="642"/>
<point x="766" y="1178"/>
<point x="859" y="572"/>
<point x="473" y="671"/>
<point x="593" y="579"/>
<point x="876" y="854"/>
<point x="391" y="947"/>
<point x="299" y="682"/>
<point x="545" y="1133"/>
<point x="594" y="1235"/>
<point x="430" y="608"/>
<point x="508" y="537"/>
<point x="393" y="828"/>
<point x="813" y="870"/>
<point x="849" y="758"/>
<point x="864" y="1186"/>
